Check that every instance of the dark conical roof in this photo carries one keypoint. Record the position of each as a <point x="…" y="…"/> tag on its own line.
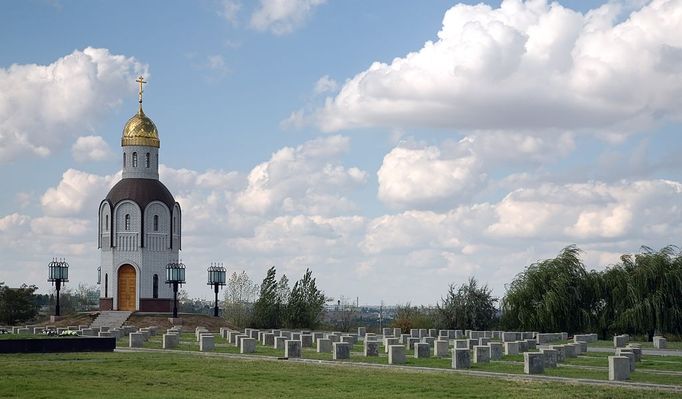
<point x="140" y="191"/>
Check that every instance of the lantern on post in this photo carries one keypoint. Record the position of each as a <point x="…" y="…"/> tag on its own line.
<point x="175" y="275"/>
<point x="58" y="273"/>
<point x="216" y="278"/>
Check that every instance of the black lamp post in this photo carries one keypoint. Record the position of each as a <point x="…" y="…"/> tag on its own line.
<point x="216" y="278"/>
<point x="175" y="274"/>
<point x="58" y="273"/>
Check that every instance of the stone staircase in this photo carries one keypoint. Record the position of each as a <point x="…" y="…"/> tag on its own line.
<point x="111" y="319"/>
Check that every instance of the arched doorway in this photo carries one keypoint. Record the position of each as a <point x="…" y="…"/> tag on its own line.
<point x="126" y="288"/>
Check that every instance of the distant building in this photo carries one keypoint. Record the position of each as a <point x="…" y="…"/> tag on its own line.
<point x="139" y="226"/>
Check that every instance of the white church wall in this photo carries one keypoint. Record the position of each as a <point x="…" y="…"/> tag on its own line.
<point x="157" y="240"/>
<point x="104" y="228"/>
<point x="127" y="239"/>
<point x="106" y="262"/>
<point x="177" y="227"/>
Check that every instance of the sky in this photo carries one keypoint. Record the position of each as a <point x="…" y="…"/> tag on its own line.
<point x="392" y="147"/>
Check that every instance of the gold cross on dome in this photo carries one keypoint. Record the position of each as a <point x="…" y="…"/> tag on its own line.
<point x="141" y="81"/>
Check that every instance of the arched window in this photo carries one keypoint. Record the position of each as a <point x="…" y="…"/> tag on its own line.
<point x="146" y="160"/>
<point x="155" y="288"/>
<point x="124" y="159"/>
<point x="134" y="160"/>
<point x="106" y="285"/>
<point x="156" y="222"/>
<point x="127" y="222"/>
<point x="175" y="224"/>
<point x="106" y="222"/>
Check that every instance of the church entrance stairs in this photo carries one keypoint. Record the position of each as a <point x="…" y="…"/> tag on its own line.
<point x="111" y="319"/>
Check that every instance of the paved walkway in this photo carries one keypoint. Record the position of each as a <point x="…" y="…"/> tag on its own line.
<point x="488" y="374"/>
<point x="655" y="352"/>
<point x="600" y="368"/>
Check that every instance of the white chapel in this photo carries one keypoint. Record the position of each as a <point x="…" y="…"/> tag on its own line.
<point x="139" y="229"/>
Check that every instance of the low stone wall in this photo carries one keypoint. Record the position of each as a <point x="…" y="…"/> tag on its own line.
<point x="52" y="345"/>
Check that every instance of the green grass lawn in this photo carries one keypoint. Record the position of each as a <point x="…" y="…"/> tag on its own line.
<point x="177" y="375"/>
<point x="512" y="364"/>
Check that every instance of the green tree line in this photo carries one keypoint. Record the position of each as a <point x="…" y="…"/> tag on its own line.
<point x="278" y="306"/>
<point x="273" y="304"/>
<point x="470" y="306"/>
<point x="641" y="294"/>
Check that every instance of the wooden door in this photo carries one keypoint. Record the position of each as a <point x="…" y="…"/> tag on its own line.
<point x="126" y="288"/>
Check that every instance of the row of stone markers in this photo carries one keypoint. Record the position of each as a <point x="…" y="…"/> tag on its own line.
<point x="138" y="336"/>
<point x="622" y="341"/>
<point x="31" y="329"/>
<point x="80" y="330"/>
<point x="504" y="336"/>
<point x="339" y="344"/>
<point x="623" y="363"/>
<point x="464" y="353"/>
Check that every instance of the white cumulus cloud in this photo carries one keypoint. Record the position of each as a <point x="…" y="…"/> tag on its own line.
<point x="41" y="106"/>
<point x="309" y="179"/>
<point x="419" y="176"/>
<point x="91" y="148"/>
<point x="525" y="66"/>
<point x="77" y="194"/>
<point x="422" y="177"/>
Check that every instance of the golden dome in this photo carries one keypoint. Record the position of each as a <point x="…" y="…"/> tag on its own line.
<point x="140" y="130"/>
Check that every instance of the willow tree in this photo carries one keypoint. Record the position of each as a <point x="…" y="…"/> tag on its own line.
<point x="553" y="295"/>
<point x="644" y="293"/>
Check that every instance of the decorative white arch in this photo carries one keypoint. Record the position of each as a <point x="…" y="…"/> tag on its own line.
<point x="115" y="216"/>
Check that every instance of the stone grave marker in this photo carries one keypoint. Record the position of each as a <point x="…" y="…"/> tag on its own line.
<point x="496" y="350"/>
<point x="268" y="339"/>
<point x="619" y="341"/>
<point x="206" y="343"/>
<point x="660" y="342"/>
<point x="341" y="350"/>
<point x="461" y="359"/>
<point x="481" y="354"/>
<point x="371" y="348"/>
<point x="292" y="349"/>
<point x="136" y="340"/>
<point x="388" y="342"/>
<point x="422" y="350"/>
<point x="550" y="357"/>
<point x="511" y="348"/>
<point x="324" y="345"/>
<point x="440" y="348"/>
<point x="619" y="368"/>
<point x="461" y="344"/>
<point x="170" y="341"/>
<point x="533" y="363"/>
<point x="629" y="354"/>
<point x="396" y="354"/>
<point x="306" y="340"/>
<point x="279" y="342"/>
